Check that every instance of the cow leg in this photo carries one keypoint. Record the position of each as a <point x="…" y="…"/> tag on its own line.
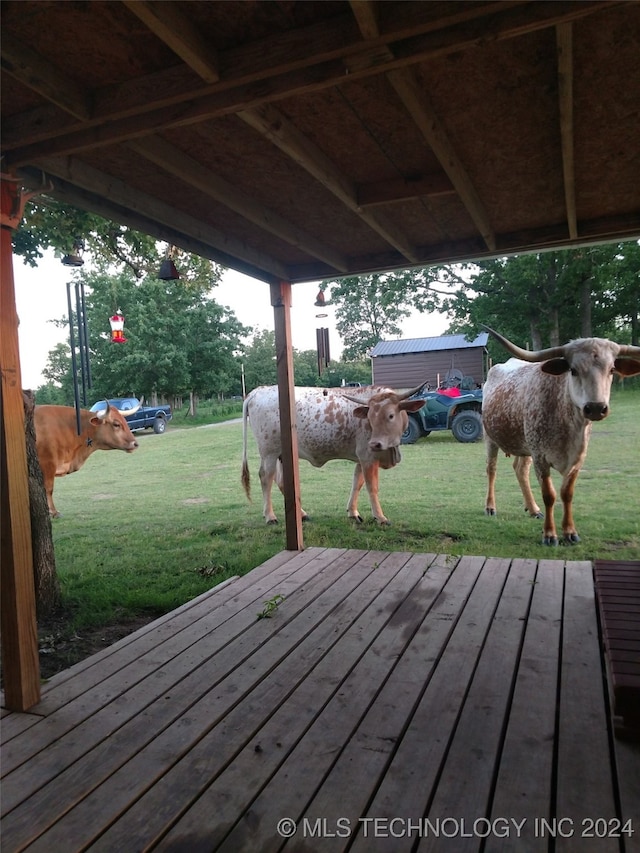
<point x="522" y="467"/>
<point x="372" y="478"/>
<point x="280" y="484"/>
<point x="569" y="532"/>
<point x="492" y="462"/>
<point x="49" y="479"/>
<point x="267" y="475"/>
<point x="358" y="483"/>
<point x="549" y="535"/>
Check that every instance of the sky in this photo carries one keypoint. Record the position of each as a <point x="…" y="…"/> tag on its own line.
<point x="41" y="296"/>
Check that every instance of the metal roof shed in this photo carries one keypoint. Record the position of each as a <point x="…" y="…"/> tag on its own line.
<point x="405" y="363"/>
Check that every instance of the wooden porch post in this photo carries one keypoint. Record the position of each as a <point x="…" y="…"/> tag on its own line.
<point x="281" y="301"/>
<point x="19" y="629"/>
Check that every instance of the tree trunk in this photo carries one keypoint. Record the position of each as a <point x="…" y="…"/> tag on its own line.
<point x="47" y="586"/>
<point x="536" y="337"/>
<point x="554" y="334"/>
<point x="193" y="404"/>
<point x="586" y="326"/>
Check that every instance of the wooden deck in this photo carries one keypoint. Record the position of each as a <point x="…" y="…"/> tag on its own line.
<point x="392" y="702"/>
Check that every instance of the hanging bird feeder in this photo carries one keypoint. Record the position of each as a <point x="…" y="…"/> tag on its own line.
<point x="117" y="328"/>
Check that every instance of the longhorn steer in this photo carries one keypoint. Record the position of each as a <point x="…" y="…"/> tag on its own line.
<point x="539" y="407"/>
<point x="330" y="425"/>
<point x="62" y="451"/>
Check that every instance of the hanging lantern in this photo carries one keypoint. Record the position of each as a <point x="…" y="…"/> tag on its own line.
<point x="117" y="328"/>
<point x="168" y="269"/>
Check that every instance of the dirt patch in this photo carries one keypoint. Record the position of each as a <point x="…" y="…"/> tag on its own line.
<point x="59" y="650"/>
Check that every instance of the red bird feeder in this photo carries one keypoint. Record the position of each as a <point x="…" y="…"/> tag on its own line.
<point x="117" y="328"/>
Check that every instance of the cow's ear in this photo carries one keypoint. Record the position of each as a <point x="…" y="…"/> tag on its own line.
<point x="556" y="366"/>
<point x="361" y="412"/>
<point x="96" y="421"/>
<point x="411" y="405"/>
<point x="627" y="366"/>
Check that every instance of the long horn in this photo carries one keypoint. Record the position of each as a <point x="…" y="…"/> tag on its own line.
<point x="413" y="391"/>
<point x="103" y="414"/>
<point x="525" y="354"/>
<point x="404" y="396"/>
<point x="629" y="351"/>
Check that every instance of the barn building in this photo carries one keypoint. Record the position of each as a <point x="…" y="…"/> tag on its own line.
<point x="447" y="359"/>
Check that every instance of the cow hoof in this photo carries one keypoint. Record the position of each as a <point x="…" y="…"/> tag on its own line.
<point x="272" y="521"/>
<point x="490" y="511"/>
<point x="357" y="518"/>
<point x="570" y="539"/>
<point x="550" y="540"/>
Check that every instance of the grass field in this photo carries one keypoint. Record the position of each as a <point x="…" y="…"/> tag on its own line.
<point x="142" y="533"/>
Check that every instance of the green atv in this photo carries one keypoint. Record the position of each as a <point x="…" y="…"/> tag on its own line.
<point x="459" y="411"/>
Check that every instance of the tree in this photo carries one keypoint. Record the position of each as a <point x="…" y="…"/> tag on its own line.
<point x="179" y="340"/>
<point x="545" y="299"/>
<point x="368" y="307"/>
<point x="212" y="337"/>
<point x="259" y="360"/>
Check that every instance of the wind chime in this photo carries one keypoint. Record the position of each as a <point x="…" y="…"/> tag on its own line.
<point x="322" y="335"/>
<point x="80" y="366"/>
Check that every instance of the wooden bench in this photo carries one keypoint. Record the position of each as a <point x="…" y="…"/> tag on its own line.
<point x="617" y="585"/>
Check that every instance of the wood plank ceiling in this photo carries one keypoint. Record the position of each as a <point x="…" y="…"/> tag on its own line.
<point x="301" y="140"/>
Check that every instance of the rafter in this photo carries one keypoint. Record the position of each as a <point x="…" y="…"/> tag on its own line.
<point x="402" y="189"/>
<point x="118" y="193"/>
<point x="564" y="41"/>
<point x="419" y="106"/>
<point x="271" y="124"/>
<point x="364" y="11"/>
<point x="182" y="166"/>
<point x="291" y="67"/>
<point x="35" y="72"/>
<point x="169" y="24"/>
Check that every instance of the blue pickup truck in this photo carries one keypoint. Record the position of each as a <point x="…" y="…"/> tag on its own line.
<point x="141" y="417"/>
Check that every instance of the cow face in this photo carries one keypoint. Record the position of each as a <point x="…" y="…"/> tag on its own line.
<point x="387" y="416"/>
<point x="112" y="431"/>
<point x="591" y="363"/>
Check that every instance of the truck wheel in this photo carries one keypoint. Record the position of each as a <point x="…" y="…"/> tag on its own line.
<point x="412" y="432"/>
<point x="159" y="425"/>
<point x="467" y="426"/>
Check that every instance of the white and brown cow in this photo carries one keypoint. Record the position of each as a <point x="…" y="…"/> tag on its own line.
<point x="330" y="425"/>
<point x="62" y="451"/>
<point x="539" y="407"/>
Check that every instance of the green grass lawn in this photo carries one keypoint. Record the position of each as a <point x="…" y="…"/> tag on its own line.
<point x="144" y="532"/>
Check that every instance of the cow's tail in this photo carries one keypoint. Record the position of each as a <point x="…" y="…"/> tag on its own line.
<point x="245" y="479"/>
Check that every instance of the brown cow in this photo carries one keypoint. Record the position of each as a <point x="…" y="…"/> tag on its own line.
<point x="62" y="451"/>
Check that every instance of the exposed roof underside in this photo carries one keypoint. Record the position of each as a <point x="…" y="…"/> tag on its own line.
<point x="304" y="140"/>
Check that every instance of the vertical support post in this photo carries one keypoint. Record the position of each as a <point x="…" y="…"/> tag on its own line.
<point x="281" y="302"/>
<point x="19" y="628"/>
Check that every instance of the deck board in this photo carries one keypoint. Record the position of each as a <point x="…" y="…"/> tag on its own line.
<point x="386" y="686"/>
<point x="618" y="593"/>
